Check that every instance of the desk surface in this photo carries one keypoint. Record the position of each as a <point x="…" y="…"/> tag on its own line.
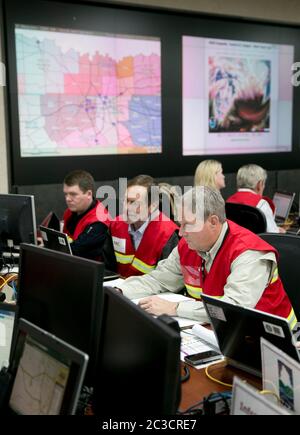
<point x="199" y="386"/>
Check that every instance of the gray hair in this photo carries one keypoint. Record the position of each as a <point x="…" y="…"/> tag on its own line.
<point x="249" y="175"/>
<point x="205" y="201"/>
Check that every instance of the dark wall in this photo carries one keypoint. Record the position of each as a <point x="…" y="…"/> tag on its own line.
<point x="169" y="27"/>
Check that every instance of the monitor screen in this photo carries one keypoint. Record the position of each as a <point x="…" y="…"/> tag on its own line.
<point x="96" y="93"/>
<point x="47" y="373"/>
<point x="237" y="96"/>
<point x="104" y="83"/>
<point x="17" y="220"/>
<point x="139" y="363"/>
<point x="62" y="294"/>
<point x="239" y="330"/>
<point x="283" y="203"/>
<point x="7" y="322"/>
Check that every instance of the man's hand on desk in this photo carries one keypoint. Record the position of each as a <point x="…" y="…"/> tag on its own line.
<point x="157" y="306"/>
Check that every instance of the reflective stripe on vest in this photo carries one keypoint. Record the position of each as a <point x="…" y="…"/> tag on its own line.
<point x="141" y="266"/>
<point x="135" y="262"/>
<point x="124" y="259"/>
<point x="275" y="276"/>
<point x="194" y="292"/>
<point x="292" y="319"/>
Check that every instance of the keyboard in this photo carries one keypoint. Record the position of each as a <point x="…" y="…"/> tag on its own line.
<point x="10" y="254"/>
<point x="110" y="275"/>
<point x="5" y="270"/>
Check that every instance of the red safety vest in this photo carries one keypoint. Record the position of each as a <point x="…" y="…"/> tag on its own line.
<point x="96" y="214"/>
<point x="250" y="198"/>
<point x="274" y="300"/>
<point x="144" y="260"/>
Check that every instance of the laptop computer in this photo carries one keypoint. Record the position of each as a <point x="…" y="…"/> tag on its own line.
<point x="50" y="221"/>
<point x="59" y="241"/>
<point x="238" y="331"/>
<point x="55" y="240"/>
<point x="8" y="314"/>
<point x="283" y="202"/>
<point x="47" y="373"/>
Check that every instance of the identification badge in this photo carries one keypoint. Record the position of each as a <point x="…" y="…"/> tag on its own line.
<point x="119" y="244"/>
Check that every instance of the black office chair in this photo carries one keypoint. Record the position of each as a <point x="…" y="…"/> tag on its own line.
<point x="246" y="216"/>
<point x="288" y="247"/>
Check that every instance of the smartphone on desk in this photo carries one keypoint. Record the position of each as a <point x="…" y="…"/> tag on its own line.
<point x="202" y="357"/>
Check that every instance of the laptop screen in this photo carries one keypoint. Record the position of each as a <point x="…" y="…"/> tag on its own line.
<point x="7" y="321"/>
<point x="55" y="240"/>
<point x="283" y="203"/>
<point x="48" y="373"/>
<point x="239" y="329"/>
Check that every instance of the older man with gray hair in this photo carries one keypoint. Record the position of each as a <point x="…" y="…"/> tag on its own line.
<point x="251" y="180"/>
<point x="214" y="257"/>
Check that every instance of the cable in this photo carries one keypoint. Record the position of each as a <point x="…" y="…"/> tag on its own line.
<point x="272" y="393"/>
<point x="214" y="379"/>
<point x="14" y="290"/>
<point x="186" y="374"/>
<point x="191" y="409"/>
<point x="211" y="404"/>
<point x="195" y="409"/>
<point x="6" y="281"/>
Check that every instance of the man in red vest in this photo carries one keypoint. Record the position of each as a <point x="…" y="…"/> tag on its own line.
<point x="251" y="180"/>
<point x="142" y="235"/>
<point x="215" y="257"/>
<point x="86" y="221"/>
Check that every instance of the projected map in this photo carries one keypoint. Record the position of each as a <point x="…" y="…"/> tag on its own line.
<point x="87" y="94"/>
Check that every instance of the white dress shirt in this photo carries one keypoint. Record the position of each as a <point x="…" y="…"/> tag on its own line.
<point x="265" y="208"/>
<point x="137" y="235"/>
<point x="249" y="276"/>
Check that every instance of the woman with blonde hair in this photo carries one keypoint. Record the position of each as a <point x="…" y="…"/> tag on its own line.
<point x="210" y="173"/>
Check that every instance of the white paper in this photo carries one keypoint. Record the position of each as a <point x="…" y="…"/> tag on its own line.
<point x="113" y="283"/>
<point x="206" y="335"/>
<point x="168" y="296"/>
<point x="174" y="297"/>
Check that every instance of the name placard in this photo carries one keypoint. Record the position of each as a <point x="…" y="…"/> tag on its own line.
<point x="246" y="400"/>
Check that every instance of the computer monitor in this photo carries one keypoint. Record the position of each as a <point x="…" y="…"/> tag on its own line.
<point x="239" y="329"/>
<point x="17" y="220"/>
<point x="55" y="240"/>
<point x="7" y="323"/>
<point x="62" y="294"/>
<point x="47" y="373"/>
<point x="138" y="370"/>
<point x="283" y="203"/>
